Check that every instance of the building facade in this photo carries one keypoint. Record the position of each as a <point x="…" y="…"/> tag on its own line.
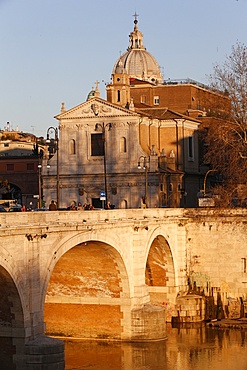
<point x="20" y="157"/>
<point x="130" y="147"/>
<point x="120" y="155"/>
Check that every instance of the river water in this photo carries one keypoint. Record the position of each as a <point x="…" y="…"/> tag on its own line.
<point x="191" y="347"/>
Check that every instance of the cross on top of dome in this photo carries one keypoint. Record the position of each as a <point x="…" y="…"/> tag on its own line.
<point x="136" y="37"/>
<point x="136" y="20"/>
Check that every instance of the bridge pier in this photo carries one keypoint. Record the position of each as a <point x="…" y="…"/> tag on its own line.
<point x="17" y="352"/>
<point x="148" y="323"/>
<point x="40" y="351"/>
<point x="44" y="353"/>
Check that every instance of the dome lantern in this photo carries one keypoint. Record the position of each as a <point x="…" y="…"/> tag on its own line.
<point x="137" y="62"/>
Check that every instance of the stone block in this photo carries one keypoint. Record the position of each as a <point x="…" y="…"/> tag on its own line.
<point x="148" y="323"/>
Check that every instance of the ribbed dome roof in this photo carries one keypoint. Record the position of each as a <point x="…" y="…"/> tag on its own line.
<point x="94" y="93"/>
<point x="91" y="94"/>
<point x="137" y="62"/>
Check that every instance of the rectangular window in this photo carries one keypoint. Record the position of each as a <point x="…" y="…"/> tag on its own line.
<point x="30" y="166"/>
<point x="6" y="144"/>
<point x="156" y="100"/>
<point x="191" y="148"/>
<point x="97" y="145"/>
<point x="10" y="167"/>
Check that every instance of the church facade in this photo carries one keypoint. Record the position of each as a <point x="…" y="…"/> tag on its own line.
<point x="121" y="152"/>
<point x="105" y="148"/>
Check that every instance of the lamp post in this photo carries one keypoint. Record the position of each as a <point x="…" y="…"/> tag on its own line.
<point x="102" y="126"/>
<point x="40" y="183"/>
<point x="40" y="187"/>
<point x="143" y="163"/>
<point x="205" y="181"/>
<point x="56" y="140"/>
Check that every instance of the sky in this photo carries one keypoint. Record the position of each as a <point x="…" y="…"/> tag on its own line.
<point x="53" y="51"/>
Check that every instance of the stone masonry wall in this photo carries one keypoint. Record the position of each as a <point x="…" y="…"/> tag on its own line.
<point x="217" y="253"/>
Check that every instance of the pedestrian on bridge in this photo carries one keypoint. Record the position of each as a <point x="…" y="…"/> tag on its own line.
<point x="52" y="206"/>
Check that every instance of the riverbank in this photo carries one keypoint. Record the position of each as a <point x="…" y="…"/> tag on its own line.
<point x="229" y="323"/>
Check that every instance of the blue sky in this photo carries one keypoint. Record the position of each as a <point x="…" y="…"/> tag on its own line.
<point x="52" y="51"/>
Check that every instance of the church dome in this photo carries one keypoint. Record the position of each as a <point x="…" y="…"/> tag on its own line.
<point x="91" y="94"/>
<point x="94" y="93"/>
<point x="137" y="62"/>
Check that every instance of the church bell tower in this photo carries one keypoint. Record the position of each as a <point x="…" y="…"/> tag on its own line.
<point x="118" y="92"/>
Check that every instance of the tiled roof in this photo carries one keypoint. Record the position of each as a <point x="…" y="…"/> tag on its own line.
<point x="162" y="113"/>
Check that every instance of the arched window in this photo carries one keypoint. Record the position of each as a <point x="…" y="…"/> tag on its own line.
<point x="72" y="146"/>
<point x="118" y="95"/>
<point x="123" y="145"/>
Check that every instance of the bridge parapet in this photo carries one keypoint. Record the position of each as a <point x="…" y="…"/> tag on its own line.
<point x="48" y="217"/>
<point x="15" y="220"/>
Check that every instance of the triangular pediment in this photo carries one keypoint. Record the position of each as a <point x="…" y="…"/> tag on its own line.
<point x="95" y="107"/>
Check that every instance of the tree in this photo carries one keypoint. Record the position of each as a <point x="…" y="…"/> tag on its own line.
<point x="226" y="136"/>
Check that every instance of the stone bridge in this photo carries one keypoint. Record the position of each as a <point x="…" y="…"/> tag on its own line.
<point x="110" y="274"/>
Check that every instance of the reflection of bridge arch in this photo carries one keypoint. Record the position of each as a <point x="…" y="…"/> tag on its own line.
<point x="88" y="290"/>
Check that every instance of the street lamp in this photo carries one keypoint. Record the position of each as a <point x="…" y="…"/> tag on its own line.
<point x="56" y="140"/>
<point x="205" y="181"/>
<point x="102" y="126"/>
<point x="40" y="188"/>
<point x="143" y="163"/>
<point x="40" y="183"/>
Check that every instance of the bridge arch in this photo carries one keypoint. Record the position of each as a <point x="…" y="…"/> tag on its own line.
<point x="12" y="332"/>
<point x="59" y="248"/>
<point x="160" y="275"/>
<point x="14" y="279"/>
<point x="159" y="264"/>
<point x="88" y="281"/>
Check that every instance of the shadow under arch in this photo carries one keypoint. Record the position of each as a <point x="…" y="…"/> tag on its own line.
<point x="160" y="272"/>
<point x="12" y="342"/>
<point x="87" y="285"/>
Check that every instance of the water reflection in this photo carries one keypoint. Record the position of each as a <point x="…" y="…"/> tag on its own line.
<point x="187" y="348"/>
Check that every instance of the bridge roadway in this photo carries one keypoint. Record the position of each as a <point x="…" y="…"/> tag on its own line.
<point x="122" y="267"/>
